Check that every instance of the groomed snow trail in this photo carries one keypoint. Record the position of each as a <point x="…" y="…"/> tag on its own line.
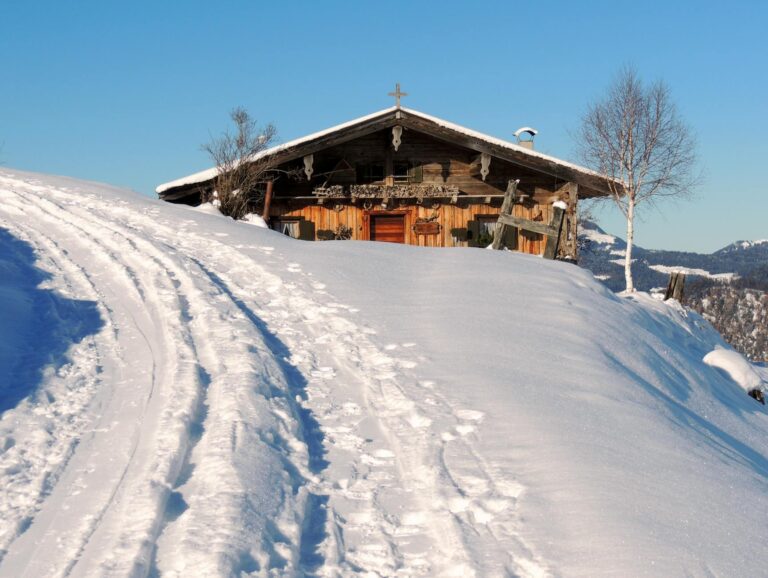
<point x="240" y="420"/>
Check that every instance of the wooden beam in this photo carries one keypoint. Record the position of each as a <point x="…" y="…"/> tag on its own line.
<point x="267" y="201"/>
<point x="506" y="211"/>
<point x="415" y="196"/>
<point x="527" y="225"/>
<point x="556" y="225"/>
<point x="572" y="223"/>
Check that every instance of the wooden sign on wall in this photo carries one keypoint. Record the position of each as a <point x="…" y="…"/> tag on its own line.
<point x="430" y="228"/>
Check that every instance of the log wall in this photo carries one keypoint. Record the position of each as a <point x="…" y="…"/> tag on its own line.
<point x="329" y="217"/>
<point x="441" y="163"/>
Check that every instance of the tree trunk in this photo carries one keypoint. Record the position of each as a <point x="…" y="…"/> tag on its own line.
<point x="630" y="241"/>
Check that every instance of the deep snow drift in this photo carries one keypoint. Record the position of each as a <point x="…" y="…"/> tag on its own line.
<point x="184" y="395"/>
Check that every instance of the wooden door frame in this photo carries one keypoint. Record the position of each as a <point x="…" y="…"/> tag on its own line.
<point x="384" y="213"/>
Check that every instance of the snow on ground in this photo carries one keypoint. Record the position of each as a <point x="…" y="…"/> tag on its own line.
<point x="186" y="395"/>
<point x="691" y="271"/>
<point x="737" y="367"/>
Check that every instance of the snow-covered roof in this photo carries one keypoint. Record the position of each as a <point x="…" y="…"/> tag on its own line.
<point x="208" y="174"/>
<point x="527" y="129"/>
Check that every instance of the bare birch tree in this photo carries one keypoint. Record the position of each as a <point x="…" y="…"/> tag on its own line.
<point x="240" y="163"/>
<point x="636" y="138"/>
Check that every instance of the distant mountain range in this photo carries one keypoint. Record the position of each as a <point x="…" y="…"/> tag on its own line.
<point x="728" y="287"/>
<point x="603" y="254"/>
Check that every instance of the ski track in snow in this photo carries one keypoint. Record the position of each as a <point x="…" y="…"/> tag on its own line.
<point x="271" y="435"/>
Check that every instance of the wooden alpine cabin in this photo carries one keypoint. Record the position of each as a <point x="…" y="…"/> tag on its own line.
<point x="402" y="176"/>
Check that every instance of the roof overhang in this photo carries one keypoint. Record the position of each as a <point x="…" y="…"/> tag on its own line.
<point x="591" y="183"/>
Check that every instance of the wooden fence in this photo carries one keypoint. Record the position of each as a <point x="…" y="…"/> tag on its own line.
<point x="552" y="231"/>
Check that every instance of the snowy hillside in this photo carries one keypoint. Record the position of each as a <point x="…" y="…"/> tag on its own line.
<point x="729" y="287"/>
<point x="184" y="395"/>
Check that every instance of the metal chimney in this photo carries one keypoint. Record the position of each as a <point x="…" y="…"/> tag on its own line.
<point x="525" y="135"/>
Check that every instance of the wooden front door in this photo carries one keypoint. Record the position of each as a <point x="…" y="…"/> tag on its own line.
<point x="388" y="228"/>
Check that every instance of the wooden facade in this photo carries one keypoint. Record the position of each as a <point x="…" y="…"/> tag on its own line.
<point x="402" y="176"/>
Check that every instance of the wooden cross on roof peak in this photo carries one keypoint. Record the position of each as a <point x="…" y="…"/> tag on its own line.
<point x="397" y="94"/>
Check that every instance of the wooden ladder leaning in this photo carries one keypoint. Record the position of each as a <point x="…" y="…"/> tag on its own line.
<point x="552" y="231"/>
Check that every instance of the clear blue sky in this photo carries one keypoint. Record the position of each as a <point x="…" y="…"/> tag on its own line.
<point x="126" y="92"/>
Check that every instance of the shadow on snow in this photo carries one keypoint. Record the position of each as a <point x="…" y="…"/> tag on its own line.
<point x="37" y="326"/>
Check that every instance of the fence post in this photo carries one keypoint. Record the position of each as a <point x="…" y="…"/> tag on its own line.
<point x="550" y="250"/>
<point x="506" y="209"/>
<point x="675" y="287"/>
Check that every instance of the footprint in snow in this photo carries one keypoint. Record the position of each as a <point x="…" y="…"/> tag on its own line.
<point x="469" y="414"/>
<point x="323" y="372"/>
<point x="509" y="488"/>
<point x="350" y="408"/>
<point x="465" y="429"/>
<point x="419" y="421"/>
<point x="380" y="457"/>
<point x="472" y="485"/>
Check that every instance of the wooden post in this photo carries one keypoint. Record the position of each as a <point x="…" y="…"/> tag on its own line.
<point x="679" y="288"/>
<point x="550" y="250"/>
<point x="675" y="287"/>
<point x="571" y="235"/>
<point x="506" y="209"/>
<point x="267" y="201"/>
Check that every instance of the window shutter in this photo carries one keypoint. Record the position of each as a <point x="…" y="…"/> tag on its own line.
<point x="416" y="174"/>
<point x="306" y="230"/>
<point x="473" y="232"/>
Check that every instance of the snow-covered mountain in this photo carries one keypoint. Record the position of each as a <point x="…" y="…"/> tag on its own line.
<point x="759" y="246"/>
<point x="603" y="254"/>
<point x="729" y="287"/>
<point x="185" y="395"/>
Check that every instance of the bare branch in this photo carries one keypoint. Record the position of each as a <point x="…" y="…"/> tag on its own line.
<point x="635" y="137"/>
<point x="242" y="168"/>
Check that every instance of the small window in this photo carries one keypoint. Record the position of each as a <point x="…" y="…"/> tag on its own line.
<point x="407" y="172"/>
<point x="487" y="224"/>
<point x="289" y="228"/>
<point x="370" y="173"/>
<point x="401" y="172"/>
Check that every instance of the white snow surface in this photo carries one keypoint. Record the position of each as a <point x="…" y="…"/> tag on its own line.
<point x="691" y="271"/>
<point x="736" y="366"/>
<point x="185" y="395"/>
<point x="255" y="220"/>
